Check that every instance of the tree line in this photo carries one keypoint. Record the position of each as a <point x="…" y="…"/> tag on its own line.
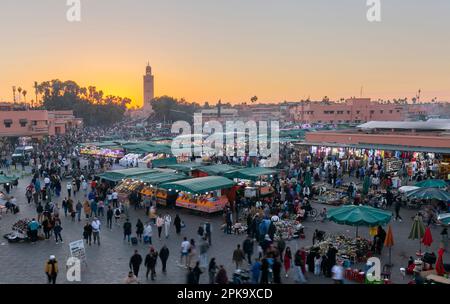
<point x="90" y="104"/>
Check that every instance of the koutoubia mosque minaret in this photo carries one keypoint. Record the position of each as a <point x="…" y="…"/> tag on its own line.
<point x="149" y="92"/>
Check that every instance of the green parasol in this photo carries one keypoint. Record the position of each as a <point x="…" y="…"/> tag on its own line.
<point x="432" y="183"/>
<point x="359" y="216"/>
<point x="417" y="231"/>
<point x="429" y="193"/>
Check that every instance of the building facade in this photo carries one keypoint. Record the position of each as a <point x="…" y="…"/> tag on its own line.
<point x="35" y="123"/>
<point x="354" y="110"/>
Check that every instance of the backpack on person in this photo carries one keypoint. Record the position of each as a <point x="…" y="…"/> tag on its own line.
<point x="134" y="240"/>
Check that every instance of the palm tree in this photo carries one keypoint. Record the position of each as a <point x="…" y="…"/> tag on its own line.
<point x="19" y="89"/>
<point x="35" y="92"/>
<point x="254" y="99"/>
<point x="24" y="93"/>
<point x="14" y="93"/>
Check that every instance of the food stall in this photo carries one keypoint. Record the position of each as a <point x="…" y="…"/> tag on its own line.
<point x="205" y="194"/>
<point x="254" y="179"/>
<point x="152" y="182"/>
<point x="116" y="176"/>
<point x="103" y="149"/>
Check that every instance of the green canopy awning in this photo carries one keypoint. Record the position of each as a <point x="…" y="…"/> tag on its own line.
<point x="429" y="193"/>
<point x="219" y="169"/>
<point x="147" y="148"/>
<point x="250" y="173"/>
<point x="359" y="216"/>
<point x="4" y="179"/>
<point x="164" y="162"/>
<point x="200" y="185"/>
<point x="432" y="183"/>
<point x="185" y="167"/>
<point x="160" y="178"/>
<point x="118" y="175"/>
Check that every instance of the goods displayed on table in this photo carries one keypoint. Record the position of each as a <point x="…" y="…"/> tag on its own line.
<point x="353" y="249"/>
<point x="19" y="231"/>
<point x="205" y="203"/>
<point x="288" y="230"/>
<point x="94" y="151"/>
<point x="128" y="186"/>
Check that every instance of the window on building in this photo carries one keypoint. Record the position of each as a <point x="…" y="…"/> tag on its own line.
<point x="23" y="122"/>
<point x="8" y="123"/>
<point x="357" y="112"/>
<point x="371" y="112"/>
<point x="340" y="112"/>
<point x="381" y="111"/>
<point x="390" y="111"/>
<point x="331" y="121"/>
<point x="319" y="121"/>
<point x="348" y="112"/>
<point x="347" y="121"/>
<point x="339" y="121"/>
<point x="34" y="123"/>
<point x="398" y="111"/>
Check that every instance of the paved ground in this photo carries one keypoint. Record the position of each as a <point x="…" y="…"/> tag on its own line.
<point x="108" y="263"/>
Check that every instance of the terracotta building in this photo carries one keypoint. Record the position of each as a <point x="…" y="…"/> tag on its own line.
<point x="17" y="122"/>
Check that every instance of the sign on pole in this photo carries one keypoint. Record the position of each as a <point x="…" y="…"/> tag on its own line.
<point x="77" y="250"/>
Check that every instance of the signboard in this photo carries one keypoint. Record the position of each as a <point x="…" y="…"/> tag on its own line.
<point x="392" y="165"/>
<point x="77" y="250"/>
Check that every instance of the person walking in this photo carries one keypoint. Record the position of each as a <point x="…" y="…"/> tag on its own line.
<point x="167" y="222"/>
<point x="177" y="224"/>
<point x="57" y="230"/>
<point x="398" y="205"/>
<point x="148" y="231"/>
<point x="338" y="273"/>
<point x="238" y="256"/>
<point x="159" y="225"/>
<point x="204" y="246"/>
<point x="78" y="208"/>
<point x="109" y="217"/>
<point x="185" y="246"/>
<point x="276" y="270"/>
<point x="164" y="256"/>
<point x="248" y="249"/>
<point x="135" y="263"/>
<point x="39" y="211"/>
<point x="51" y="269"/>
<point x="69" y="189"/>
<point x="46" y="227"/>
<point x="265" y="269"/>
<point x="197" y="272"/>
<point x="287" y="260"/>
<point x="87" y="208"/>
<point x="87" y="233"/>
<point x="192" y="252"/>
<point x="212" y="269"/>
<point x="96" y="230"/>
<point x="127" y="230"/>
<point x="256" y="271"/>
<point x="139" y="229"/>
<point x="150" y="262"/>
<point x="299" y="263"/>
<point x="208" y="231"/>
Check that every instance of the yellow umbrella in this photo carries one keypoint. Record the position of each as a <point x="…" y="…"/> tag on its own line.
<point x="389" y="242"/>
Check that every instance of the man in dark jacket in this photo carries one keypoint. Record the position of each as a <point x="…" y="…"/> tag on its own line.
<point x="248" y="249"/>
<point x="127" y="231"/>
<point x="109" y="217"/>
<point x="150" y="262"/>
<point x="135" y="262"/>
<point x="164" y="256"/>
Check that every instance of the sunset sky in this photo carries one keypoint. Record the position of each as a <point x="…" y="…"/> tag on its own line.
<point x="204" y="50"/>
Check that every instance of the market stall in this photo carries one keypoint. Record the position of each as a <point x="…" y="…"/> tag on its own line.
<point x="205" y="194"/>
<point x="103" y="149"/>
<point x="119" y="175"/>
<point x="153" y="181"/>
<point x="19" y="232"/>
<point x="254" y="179"/>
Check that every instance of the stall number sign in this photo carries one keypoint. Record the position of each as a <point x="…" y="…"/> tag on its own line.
<point x="77" y="250"/>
